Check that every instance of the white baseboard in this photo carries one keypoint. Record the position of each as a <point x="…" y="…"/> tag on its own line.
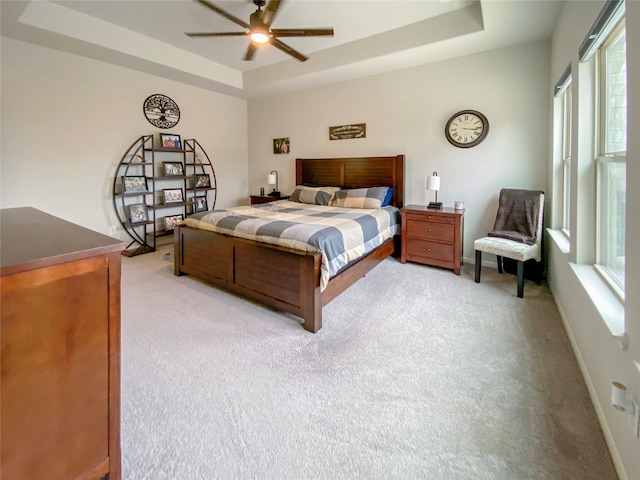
<point x="608" y="436"/>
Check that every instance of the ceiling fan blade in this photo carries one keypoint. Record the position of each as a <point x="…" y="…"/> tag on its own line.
<point x="270" y="12"/>
<point x="251" y="51"/>
<point x="226" y="15"/>
<point x="302" y="32"/>
<point x="286" y="48"/>
<point x="216" y="34"/>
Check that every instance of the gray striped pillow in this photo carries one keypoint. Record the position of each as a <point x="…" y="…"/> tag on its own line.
<point x="313" y="195"/>
<point x="360" y="197"/>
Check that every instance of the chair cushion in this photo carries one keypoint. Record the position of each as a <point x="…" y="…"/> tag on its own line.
<point x="508" y="248"/>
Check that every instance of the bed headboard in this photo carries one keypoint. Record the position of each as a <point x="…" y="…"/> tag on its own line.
<point x="354" y="173"/>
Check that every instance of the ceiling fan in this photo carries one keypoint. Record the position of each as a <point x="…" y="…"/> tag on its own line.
<point x="259" y="31"/>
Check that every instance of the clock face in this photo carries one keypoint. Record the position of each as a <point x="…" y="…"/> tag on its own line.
<point x="161" y="111"/>
<point x="467" y="128"/>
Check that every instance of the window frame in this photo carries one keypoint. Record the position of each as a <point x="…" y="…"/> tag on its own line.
<point x="567" y="114"/>
<point x="605" y="158"/>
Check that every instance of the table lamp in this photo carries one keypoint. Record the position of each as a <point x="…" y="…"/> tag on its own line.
<point x="433" y="183"/>
<point x="272" y="179"/>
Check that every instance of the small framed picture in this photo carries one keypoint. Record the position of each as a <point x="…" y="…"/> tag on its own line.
<point x="138" y="213"/>
<point x="170" y="222"/>
<point x="173" y="169"/>
<point x="281" y="145"/>
<point x="172" y="195"/>
<point x="170" y="140"/>
<point x="202" y="181"/>
<point x="200" y="204"/>
<point x="135" y="184"/>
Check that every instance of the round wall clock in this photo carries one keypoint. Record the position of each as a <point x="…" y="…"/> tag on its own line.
<point x="161" y="111"/>
<point x="466" y="129"/>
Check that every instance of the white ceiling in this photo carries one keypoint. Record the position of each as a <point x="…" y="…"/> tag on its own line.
<point x="371" y="36"/>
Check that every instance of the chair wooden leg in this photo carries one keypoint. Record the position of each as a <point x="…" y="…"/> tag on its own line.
<point x="478" y="265"/>
<point x="539" y="273"/>
<point x="499" y="259"/>
<point x="520" y="279"/>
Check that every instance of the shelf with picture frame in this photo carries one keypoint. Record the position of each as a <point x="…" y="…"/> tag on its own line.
<point x="148" y="170"/>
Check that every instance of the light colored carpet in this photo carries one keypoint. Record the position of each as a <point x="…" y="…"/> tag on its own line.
<point x="416" y="374"/>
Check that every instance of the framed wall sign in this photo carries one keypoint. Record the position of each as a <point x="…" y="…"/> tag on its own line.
<point x="344" y="132"/>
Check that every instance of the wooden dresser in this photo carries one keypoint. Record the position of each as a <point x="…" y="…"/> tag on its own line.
<point x="60" y="359"/>
<point x="432" y="236"/>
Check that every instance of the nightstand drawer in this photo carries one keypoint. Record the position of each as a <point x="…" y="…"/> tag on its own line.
<point x="430" y="230"/>
<point x="434" y="250"/>
<point x="430" y="217"/>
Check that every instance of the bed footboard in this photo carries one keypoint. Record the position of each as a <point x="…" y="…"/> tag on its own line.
<point x="280" y="277"/>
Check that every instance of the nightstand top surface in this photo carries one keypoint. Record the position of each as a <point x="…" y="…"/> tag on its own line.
<point x="424" y="208"/>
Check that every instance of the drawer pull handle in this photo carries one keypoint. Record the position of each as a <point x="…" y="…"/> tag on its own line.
<point x="429" y="229"/>
<point x="428" y="249"/>
<point x="429" y="217"/>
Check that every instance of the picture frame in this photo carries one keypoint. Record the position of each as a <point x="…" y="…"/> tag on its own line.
<point x="170" y="140"/>
<point x="138" y="213"/>
<point x="172" y="169"/>
<point x="170" y="222"/>
<point x="200" y="204"/>
<point x="173" y="195"/>
<point x="347" y="132"/>
<point x="135" y="184"/>
<point x="281" y="145"/>
<point x="202" y="181"/>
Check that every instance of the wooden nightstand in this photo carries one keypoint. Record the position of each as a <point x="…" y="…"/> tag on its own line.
<point x="257" y="199"/>
<point x="433" y="236"/>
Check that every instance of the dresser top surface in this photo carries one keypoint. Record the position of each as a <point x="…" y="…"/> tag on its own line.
<point x="30" y="238"/>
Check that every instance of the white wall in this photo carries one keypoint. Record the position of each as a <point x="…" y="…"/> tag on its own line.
<point x="67" y="121"/>
<point x="405" y="113"/>
<point x="600" y="357"/>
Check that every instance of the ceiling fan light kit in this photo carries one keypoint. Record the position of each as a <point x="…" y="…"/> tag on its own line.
<point x="258" y="29"/>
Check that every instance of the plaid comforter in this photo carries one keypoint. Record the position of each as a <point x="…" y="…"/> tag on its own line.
<point x="340" y="234"/>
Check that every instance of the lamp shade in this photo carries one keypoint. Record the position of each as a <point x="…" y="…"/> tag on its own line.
<point x="272" y="179"/>
<point x="433" y="182"/>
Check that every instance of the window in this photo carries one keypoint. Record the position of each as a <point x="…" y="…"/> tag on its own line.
<point x="566" y="157"/>
<point x="612" y="156"/>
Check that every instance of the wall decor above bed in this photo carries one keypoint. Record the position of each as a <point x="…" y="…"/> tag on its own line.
<point x="344" y="132"/>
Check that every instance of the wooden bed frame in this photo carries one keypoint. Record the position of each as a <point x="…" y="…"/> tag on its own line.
<point x="285" y="278"/>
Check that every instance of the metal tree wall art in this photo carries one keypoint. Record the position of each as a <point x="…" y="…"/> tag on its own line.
<point x="161" y="111"/>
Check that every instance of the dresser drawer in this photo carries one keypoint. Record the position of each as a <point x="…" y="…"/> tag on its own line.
<point x="430" y="217"/>
<point x="434" y="250"/>
<point x="430" y="230"/>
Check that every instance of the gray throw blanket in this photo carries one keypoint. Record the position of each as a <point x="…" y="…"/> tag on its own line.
<point x="517" y="217"/>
